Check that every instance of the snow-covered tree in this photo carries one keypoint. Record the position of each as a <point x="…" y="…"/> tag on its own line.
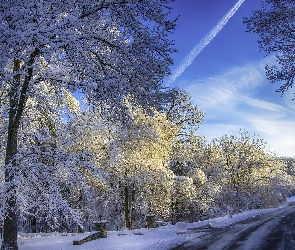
<point x="139" y="166"/>
<point x="290" y="163"/>
<point x="182" y="112"/>
<point x="250" y="176"/>
<point x="105" y="49"/>
<point x="274" y="24"/>
<point x="188" y="117"/>
<point x="50" y="172"/>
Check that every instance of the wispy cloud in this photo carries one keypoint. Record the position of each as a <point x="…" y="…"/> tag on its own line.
<point x="233" y="100"/>
<point x="224" y="91"/>
<point x="260" y="104"/>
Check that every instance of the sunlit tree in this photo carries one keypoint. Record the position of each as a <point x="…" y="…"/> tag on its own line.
<point x="250" y="174"/>
<point x="139" y="165"/>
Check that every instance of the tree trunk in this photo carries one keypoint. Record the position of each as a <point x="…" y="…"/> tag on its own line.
<point x="10" y="220"/>
<point x="132" y="215"/>
<point x="126" y="207"/>
<point x="129" y="206"/>
<point x="80" y="204"/>
<point x="17" y="101"/>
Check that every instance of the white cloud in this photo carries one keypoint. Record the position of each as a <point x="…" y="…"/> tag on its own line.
<point x="240" y="98"/>
<point x="260" y="104"/>
<point x="216" y="130"/>
<point x="287" y="99"/>
<point x="279" y="134"/>
<point x="224" y="88"/>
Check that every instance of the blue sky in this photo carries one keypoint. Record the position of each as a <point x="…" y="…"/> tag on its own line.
<point x="227" y="79"/>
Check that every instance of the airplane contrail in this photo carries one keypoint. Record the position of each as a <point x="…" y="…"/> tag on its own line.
<point x="204" y="42"/>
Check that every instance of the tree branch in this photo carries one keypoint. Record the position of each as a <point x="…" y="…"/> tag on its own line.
<point x="103" y="5"/>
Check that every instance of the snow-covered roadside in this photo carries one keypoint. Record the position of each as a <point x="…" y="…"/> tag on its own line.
<point x="291" y="199"/>
<point x="165" y="237"/>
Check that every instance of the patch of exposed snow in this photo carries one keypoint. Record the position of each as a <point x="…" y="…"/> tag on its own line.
<point x="291" y="199"/>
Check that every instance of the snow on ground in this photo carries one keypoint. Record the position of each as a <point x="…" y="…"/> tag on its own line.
<point x="290" y="199"/>
<point x="164" y="237"/>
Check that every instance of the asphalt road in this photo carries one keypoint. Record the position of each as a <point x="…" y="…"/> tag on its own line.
<point x="272" y="231"/>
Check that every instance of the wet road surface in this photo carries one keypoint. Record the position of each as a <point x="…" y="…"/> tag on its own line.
<point x="272" y="231"/>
